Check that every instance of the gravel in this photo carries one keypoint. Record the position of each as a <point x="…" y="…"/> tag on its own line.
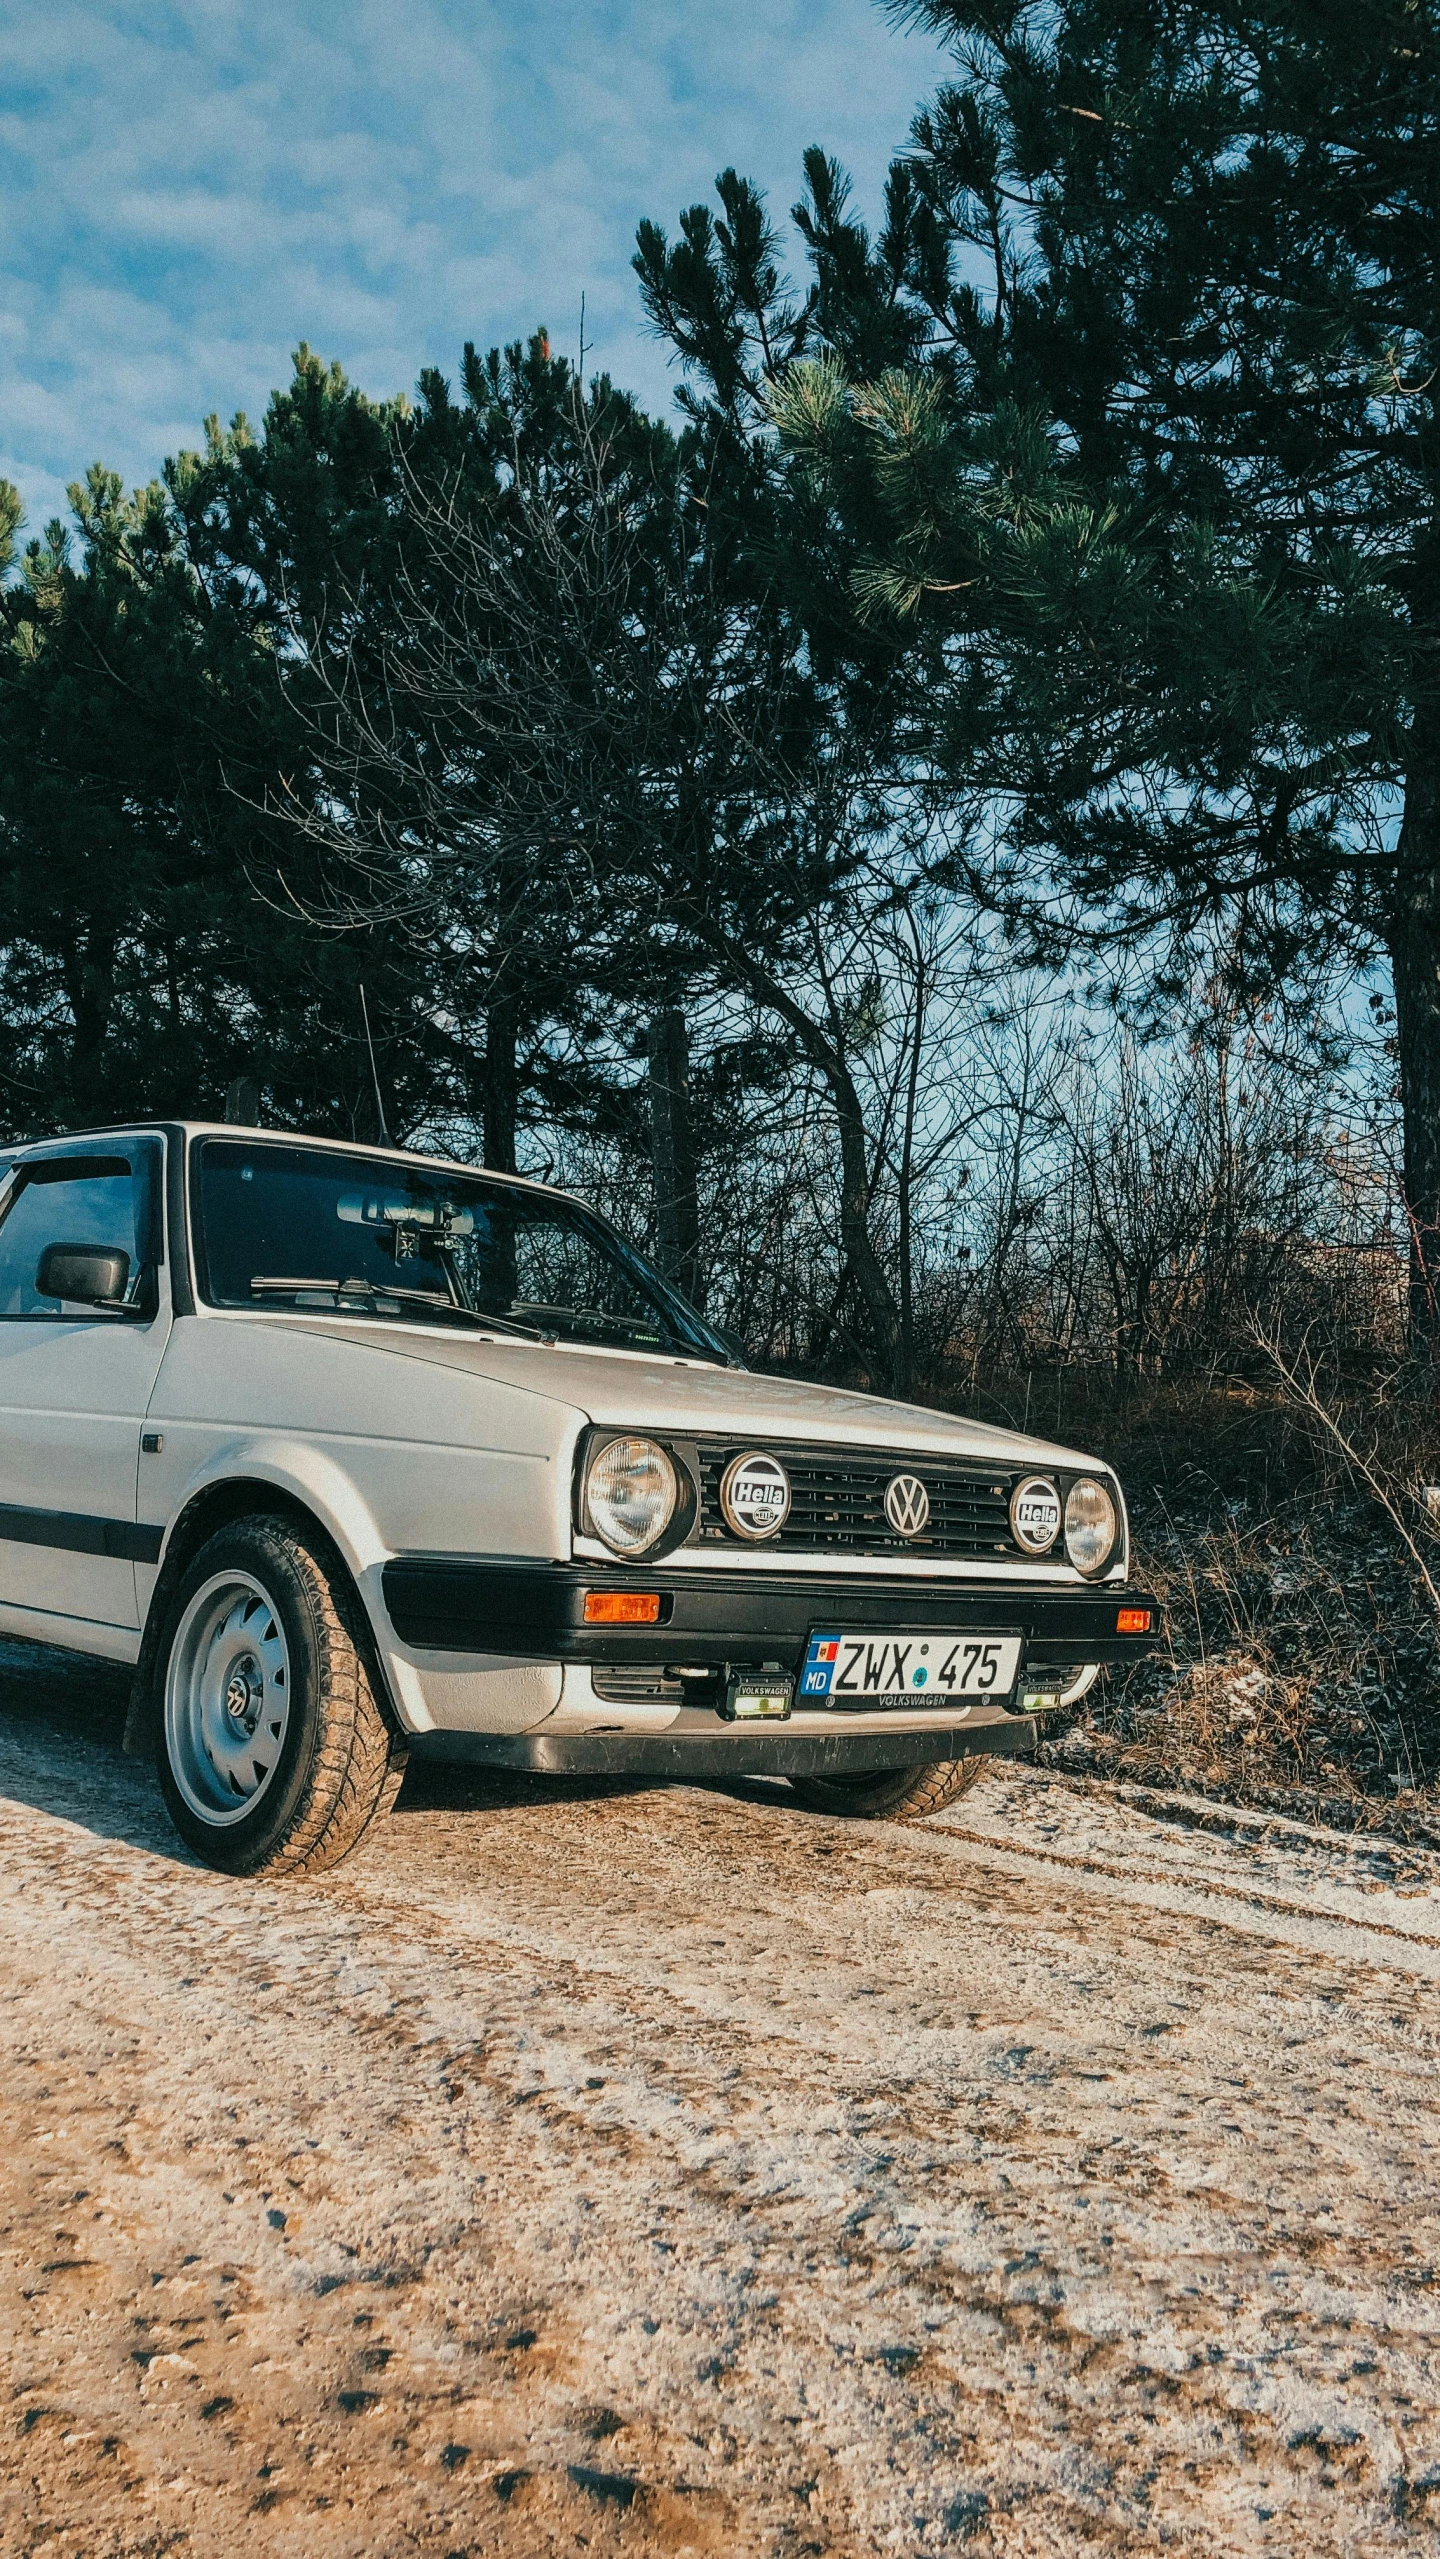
<point x="660" y="2170"/>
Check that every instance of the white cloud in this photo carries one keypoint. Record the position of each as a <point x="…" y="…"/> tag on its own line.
<point x="188" y="187"/>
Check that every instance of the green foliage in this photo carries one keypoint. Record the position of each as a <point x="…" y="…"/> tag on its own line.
<point x="1210" y="348"/>
<point x="1067" y="535"/>
<point x="151" y="918"/>
<point x="1117" y="451"/>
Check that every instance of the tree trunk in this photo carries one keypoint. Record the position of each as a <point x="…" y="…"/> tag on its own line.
<point x="857" y="1244"/>
<point x="242" y="1102"/>
<point x="500" y="1088"/>
<point x="672" y="1148"/>
<point x="856" y="1240"/>
<point x="1412" y="936"/>
<point x="89" y="970"/>
<point x="906" y="1185"/>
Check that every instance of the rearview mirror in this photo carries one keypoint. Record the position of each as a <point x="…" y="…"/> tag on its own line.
<point x="359" y="1208"/>
<point x="84" y="1275"/>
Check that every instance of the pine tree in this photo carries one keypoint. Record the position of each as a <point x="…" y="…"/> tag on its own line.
<point x="1158" y="492"/>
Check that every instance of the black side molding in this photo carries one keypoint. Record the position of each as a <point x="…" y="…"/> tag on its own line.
<point x="129" y="1541"/>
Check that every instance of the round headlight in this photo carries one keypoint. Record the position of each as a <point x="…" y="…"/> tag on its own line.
<point x="1092" y="1525"/>
<point x="630" y="1494"/>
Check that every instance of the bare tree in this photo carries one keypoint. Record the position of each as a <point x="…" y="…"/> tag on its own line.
<point x="584" y="754"/>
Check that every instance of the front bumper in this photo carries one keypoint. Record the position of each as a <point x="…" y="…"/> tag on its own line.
<point x="729" y="1750"/>
<point x="535" y="1612"/>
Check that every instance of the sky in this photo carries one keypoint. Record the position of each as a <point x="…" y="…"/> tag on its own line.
<point x="188" y="190"/>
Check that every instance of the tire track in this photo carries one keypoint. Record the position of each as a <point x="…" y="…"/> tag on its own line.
<point x="676" y="2171"/>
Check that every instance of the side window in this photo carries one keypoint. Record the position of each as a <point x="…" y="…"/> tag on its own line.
<point x="90" y="1199"/>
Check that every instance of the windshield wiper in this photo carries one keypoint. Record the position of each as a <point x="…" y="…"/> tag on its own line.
<point x="425" y="1297"/>
<point x="589" y="1324"/>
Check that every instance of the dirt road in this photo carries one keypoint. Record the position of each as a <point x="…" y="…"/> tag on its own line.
<point x="663" y="2171"/>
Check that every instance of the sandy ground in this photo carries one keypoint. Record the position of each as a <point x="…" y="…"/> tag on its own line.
<point x="651" y="2171"/>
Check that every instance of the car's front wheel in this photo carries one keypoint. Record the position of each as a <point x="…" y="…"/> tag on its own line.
<point x="890" y="1794"/>
<point x="274" y="1755"/>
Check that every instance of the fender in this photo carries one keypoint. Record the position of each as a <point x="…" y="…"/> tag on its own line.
<point x="307" y="1479"/>
<point x="307" y="1474"/>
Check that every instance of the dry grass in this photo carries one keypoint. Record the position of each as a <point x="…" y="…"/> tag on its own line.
<point x="1289" y="1543"/>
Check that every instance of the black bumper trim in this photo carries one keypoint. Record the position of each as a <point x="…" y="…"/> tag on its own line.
<point x="479" y="1604"/>
<point x="748" y="1752"/>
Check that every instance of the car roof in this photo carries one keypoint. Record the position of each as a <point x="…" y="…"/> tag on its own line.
<point x="72" y="1137"/>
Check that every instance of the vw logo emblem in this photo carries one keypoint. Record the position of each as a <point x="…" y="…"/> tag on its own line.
<point x="907" y="1505"/>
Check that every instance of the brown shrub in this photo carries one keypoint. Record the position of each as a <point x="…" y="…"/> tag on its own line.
<point x="1291" y="1549"/>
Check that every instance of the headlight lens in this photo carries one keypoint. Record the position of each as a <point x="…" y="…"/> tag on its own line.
<point x="1092" y="1525"/>
<point x="630" y="1494"/>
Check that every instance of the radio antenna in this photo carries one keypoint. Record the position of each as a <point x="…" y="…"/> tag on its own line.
<point x="385" y="1138"/>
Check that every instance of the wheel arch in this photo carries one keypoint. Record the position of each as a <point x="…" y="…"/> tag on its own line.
<point x="211" y="1507"/>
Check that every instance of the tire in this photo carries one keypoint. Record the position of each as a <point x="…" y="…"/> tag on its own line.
<point x="890" y="1794"/>
<point x="274" y="1756"/>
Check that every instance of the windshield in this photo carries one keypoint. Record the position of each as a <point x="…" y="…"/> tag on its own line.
<point x="291" y="1226"/>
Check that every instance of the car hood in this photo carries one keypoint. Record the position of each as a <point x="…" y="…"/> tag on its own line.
<point x="630" y="1390"/>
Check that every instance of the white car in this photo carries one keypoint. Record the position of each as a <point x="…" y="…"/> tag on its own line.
<point x="355" y="1453"/>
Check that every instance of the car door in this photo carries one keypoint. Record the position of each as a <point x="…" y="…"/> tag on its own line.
<point x="75" y="1380"/>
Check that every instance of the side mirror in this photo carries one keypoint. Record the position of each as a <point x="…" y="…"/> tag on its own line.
<point x="84" y="1275"/>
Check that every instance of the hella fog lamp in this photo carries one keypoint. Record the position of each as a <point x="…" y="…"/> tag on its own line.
<point x="1092" y="1525"/>
<point x="1035" y="1515"/>
<point x="630" y="1494"/>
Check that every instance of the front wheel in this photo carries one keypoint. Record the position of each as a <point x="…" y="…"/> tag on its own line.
<point x="890" y="1794"/>
<point x="274" y="1757"/>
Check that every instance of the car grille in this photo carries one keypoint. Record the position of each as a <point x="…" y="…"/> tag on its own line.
<point x="631" y="1684"/>
<point x="837" y="1502"/>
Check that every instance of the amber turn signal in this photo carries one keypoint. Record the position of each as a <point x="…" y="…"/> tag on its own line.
<point x="627" y="1608"/>
<point x="1133" y="1621"/>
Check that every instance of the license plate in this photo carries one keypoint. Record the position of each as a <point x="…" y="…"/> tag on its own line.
<point x="908" y="1669"/>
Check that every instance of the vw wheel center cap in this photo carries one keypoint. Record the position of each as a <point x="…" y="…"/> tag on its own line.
<point x="755" y="1495"/>
<point x="907" y="1505"/>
